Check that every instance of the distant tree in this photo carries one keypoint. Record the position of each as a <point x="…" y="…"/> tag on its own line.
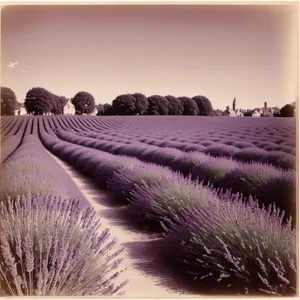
<point x="157" y="105"/>
<point x="190" y="106"/>
<point x="287" y="111"/>
<point x="38" y="101"/>
<point x="175" y="105"/>
<point x="216" y="112"/>
<point x="59" y="102"/>
<point x="204" y="105"/>
<point x="84" y="103"/>
<point x="141" y="103"/>
<point x="8" y="101"/>
<point x="100" y="109"/>
<point x="124" y="104"/>
<point x="248" y="113"/>
<point x="108" y="110"/>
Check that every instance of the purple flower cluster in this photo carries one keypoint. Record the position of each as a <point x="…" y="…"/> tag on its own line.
<point x="49" y="246"/>
<point x="235" y="245"/>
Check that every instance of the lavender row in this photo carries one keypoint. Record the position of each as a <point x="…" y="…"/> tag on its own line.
<point x="253" y="135"/>
<point x="265" y="182"/>
<point x="160" y="197"/>
<point x="11" y="143"/>
<point x="31" y="169"/>
<point x="50" y="246"/>
<point x="246" y="154"/>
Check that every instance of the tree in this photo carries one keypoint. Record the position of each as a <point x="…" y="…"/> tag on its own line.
<point x="141" y="103"/>
<point x="100" y="109"/>
<point x="38" y="101"/>
<point x="204" y="105"/>
<point x="108" y="110"/>
<point x="58" y="105"/>
<point x="8" y="101"/>
<point x="124" y="105"/>
<point x="175" y="105"/>
<point x="190" y="106"/>
<point x="84" y="103"/>
<point x="157" y="105"/>
<point x="287" y="111"/>
<point x="216" y="112"/>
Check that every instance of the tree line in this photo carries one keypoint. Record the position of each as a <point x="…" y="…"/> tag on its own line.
<point x="39" y="101"/>
<point x="139" y="104"/>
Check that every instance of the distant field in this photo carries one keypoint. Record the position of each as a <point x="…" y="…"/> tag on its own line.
<point x="212" y="187"/>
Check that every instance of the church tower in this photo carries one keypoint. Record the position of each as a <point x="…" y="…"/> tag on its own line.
<point x="234" y="104"/>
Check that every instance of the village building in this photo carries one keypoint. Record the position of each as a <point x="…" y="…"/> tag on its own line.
<point x="20" y="110"/>
<point x="69" y="108"/>
<point x="232" y="112"/>
<point x="267" y="111"/>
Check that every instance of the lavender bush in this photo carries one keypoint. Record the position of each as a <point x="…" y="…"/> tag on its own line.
<point x="282" y="191"/>
<point x="10" y="144"/>
<point x="250" y="154"/>
<point x="248" y="178"/>
<point x="280" y="159"/>
<point x="123" y="182"/>
<point x="105" y="169"/>
<point x="235" y="247"/>
<point x="242" y="145"/>
<point x="213" y="170"/>
<point x="27" y="173"/>
<point x="165" y="156"/>
<point x="221" y="150"/>
<point x="188" y="161"/>
<point x="157" y="203"/>
<point x="50" y="248"/>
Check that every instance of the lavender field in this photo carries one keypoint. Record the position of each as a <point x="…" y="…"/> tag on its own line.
<point x="217" y="193"/>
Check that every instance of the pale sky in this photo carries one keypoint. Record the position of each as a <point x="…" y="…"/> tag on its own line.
<point x="246" y="51"/>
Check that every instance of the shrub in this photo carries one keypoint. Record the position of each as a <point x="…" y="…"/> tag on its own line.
<point x="105" y="169"/>
<point x="23" y="174"/>
<point x="250" y="154"/>
<point x="165" y="156"/>
<point x="234" y="246"/>
<point x="158" y="203"/>
<point x="92" y="162"/>
<point x="9" y="146"/>
<point x="50" y="248"/>
<point x="213" y="170"/>
<point x="194" y="147"/>
<point x="242" y="145"/>
<point x="280" y="159"/>
<point x="249" y="178"/>
<point x="73" y="153"/>
<point x="126" y="180"/>
<point x="209" y="143"/>
<point x="188" y="161"/>
<point x="282" y="191"/>
<point x="221" y="150"/>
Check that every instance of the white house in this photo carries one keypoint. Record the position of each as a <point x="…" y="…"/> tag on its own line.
<point x="21" y="110"/>
<point x="69" y="108"/>
<point x="255" y="113"/>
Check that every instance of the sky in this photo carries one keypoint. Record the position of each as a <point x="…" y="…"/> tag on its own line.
<point x="220" y="51"/>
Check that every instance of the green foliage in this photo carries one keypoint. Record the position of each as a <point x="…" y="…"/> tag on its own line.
<point x="8" y="101"/>
<point x="84" y="103"/>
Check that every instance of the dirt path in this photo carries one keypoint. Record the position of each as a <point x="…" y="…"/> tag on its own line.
<point x="147" y="275"/>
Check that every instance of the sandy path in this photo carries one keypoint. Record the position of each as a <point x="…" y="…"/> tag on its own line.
<point x="147" y="276"/>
